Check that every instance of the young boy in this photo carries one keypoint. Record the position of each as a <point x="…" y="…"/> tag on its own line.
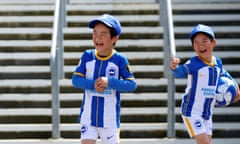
<point x="103" y="73"/>
<point x="202" y="72"/>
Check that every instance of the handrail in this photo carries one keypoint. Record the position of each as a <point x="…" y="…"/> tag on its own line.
<point x="57" y="63"/>
<point x="166" y="21"/>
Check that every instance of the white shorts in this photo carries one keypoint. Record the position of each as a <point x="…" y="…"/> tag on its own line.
<point x="197" y="125"/>
<point x="107" y="135"/>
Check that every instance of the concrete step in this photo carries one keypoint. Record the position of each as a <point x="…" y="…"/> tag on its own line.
<point x="19" y="97"/>
<point x="209" y="17"/>
<point x="121" y="8"/>
<point x="124" y="111"/>
<point x="124" y="126"/>
<point x="72" y="130"/>
<point x="34" y="7"/>
<point x="191" y="6"/>
<point x="127" y="18"/>
<point x="125" y="30"/>
<point x="44" y="86"/>
<point x="25" y="2"/>
<point x="104" y="7"/>
<point x="122" y="43"/>
<point x="70" y="100"/>
<point x="205" y="1"/>
<point x="130" y="55"/>
<point x="34" y="83"/>
<point x="111" y="1"/>
<point x="127" y="99"/>
<point x="141" y="129"/>
<point x="23" y="10"/>
<point x="70" y="68"/>
<point x="150" y="1"/>
<point x="42" y="33"/>
<point x="43" y="72"/>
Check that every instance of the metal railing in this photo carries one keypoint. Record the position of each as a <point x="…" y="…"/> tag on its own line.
<point x="57" y="63"/>
<point x="166" y="21"/>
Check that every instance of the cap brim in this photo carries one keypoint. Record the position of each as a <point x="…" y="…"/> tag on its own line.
<point x="193" y="35"/>
<point x="93" y="23"/>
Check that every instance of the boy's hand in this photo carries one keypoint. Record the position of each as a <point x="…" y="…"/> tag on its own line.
<point x="237" y="98"/>
<point x="100" y="84"/>
<point x="174" y="63"/>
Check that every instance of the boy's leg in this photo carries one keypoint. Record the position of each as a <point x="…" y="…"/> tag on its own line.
<point x="89" y="134"/>
<point x="203" y="138"/>
<point x="109" y="135"/>
<point x="88" y="141"/>
<point x="198" y="127"/>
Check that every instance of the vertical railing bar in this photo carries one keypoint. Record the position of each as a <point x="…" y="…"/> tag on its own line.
<point x="56" y="52"/>
<point x="61" y="38"/>
<point x="169" y="50"/>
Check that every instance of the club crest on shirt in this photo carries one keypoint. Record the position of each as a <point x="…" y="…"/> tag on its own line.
<point x="112" y="71"/>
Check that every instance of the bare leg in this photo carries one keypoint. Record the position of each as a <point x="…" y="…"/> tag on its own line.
<point x="88" y="141"/>
<point x="203" y="139"/>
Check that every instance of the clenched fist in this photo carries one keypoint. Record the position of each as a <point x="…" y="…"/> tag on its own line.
<point x="100" y="84"/>
<point x="174" y="63"/>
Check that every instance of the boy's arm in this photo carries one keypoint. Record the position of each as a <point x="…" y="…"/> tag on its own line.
<point x="125" y="85"/>
<point x="119" y="85"/>
<point x="178" y="70"/>
<point x="81" y="82"/>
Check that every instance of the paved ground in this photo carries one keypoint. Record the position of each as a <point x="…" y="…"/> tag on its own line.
<point x="123" y="141"/>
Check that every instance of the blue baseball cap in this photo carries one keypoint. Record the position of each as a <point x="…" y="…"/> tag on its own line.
<point x="109" y="21"/>
<point x="200" y="28"/>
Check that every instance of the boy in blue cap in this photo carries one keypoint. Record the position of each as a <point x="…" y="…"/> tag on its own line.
<point x="202" y="72"/>
<point x="103" y="73"/>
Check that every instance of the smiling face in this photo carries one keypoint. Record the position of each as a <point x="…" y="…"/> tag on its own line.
<point x="204" y="46"/>
<point x="102" y="40"/>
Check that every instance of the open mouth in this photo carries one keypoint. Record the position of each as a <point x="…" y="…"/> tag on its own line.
<point x="99" y="44"/>
<point x="203" y="51"/>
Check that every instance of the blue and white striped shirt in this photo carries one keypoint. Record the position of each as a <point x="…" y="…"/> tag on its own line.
<point x="102" y="109"/>
<point x="202" y="79"/>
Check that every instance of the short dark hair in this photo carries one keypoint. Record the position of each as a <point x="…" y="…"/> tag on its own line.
<point x="209" y="36"/>
<point x="112" y="32"/>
